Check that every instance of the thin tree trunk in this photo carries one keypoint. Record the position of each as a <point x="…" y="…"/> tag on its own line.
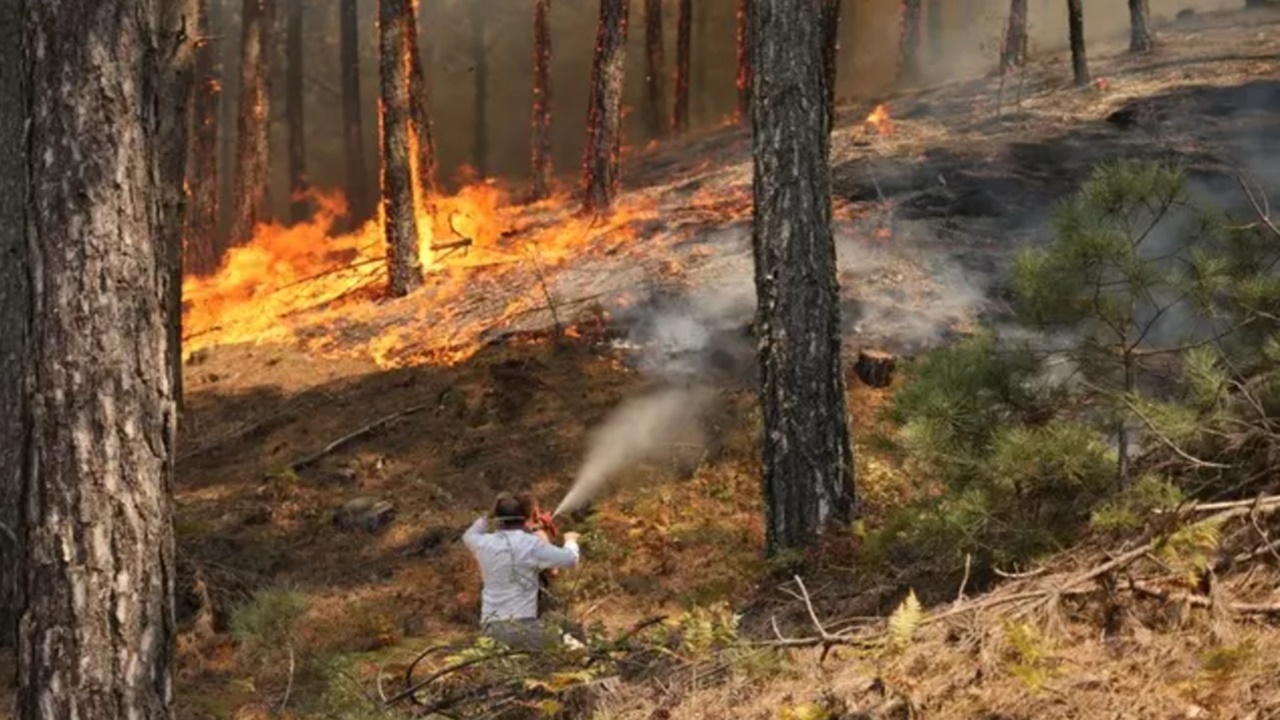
<point x="541" y="159"/>
<point x="404" y="268"/>
<point x="294" y="117"/>
<point x="909" y="62"/>
<point x="744" y="61"/>
<point x="97" y="635"/>
<point x="808" y="463"/>
<point x="253" y="136"/>
<point x="1140" y="38"/>
<point x="655" y="81"/>
<point x="1013" y="53"/>
<point x="201" y="222"/>
<point x="830" y="55"/>
<point x="1079" y="63"/>
<point x="14" y="305"/>
<point x="352" y="111"/>
<point x="700" y="64"/>
<point x="600" y="155"/>
<point x="424" y="142"/>
<point x="684" y="53"/>
<point x="480" y="99"/>
<point x="936" y="38"/>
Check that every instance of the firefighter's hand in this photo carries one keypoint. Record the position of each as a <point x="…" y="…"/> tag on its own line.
<point x="570" y="537"/>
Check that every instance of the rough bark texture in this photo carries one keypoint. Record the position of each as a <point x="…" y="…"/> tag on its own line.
<point x="1140" y="38"/>
<point x="655" y="81"/>
<point x="294" y="117"/>
<point x="808" y="463"/>
<point x="14" y="302"/>
<point x="404" y="269"/>
<point x="1079" y="63"/>
<point x="200" y="235"/>
<point x="684" y="53"/>
<point x="97" y="634"/>
<point x="480" y="98"/>
<point x="253" y="130"/>
<point x="600" y="155"/>
<point x="424" y="140"/>
<point x="744" y="60"/>
<point x="352" y="111"/>
<point x="830" y="55"/>
<point x="541" y="141"/>
<point x="1013" y="52"/>
<point x="909" y="62"/>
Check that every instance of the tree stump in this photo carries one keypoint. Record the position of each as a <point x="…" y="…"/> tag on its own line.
<point x="875" y="368"/>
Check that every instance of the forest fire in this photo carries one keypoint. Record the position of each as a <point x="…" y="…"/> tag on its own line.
<point x="879" y="121"/>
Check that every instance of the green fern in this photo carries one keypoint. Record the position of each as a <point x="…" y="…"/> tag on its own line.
<point x="904" y="621"/>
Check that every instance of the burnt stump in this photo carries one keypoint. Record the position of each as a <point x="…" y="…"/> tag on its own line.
<point x="875" y="367"/>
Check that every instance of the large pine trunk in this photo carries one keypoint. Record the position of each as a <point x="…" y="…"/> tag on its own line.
<point x="404" y="268"/>
<point x="909" y="60"/>
<point x="480" y="97"/>
<point x="294" y="116"/>
<point x="655" y="81"/>
<point x="97" y="634"/>
<point x="1140" y="38"/>
<point x="744" y="60"/>
<point x="424" y="142"/>
<point x="1079" y="62"/>
<point x="684" y="53"/>
<point x="830" y="55"/>
<point x="541" y="142"/>
<point x="600" y="155"/>
<point x="807" y="459"/>
<point x="200" y="233"/>
<point x="353" y="111"/>
<point x="14" y="302"/>
<point x="253" y="128"/>
<point x="1013" y="52"/>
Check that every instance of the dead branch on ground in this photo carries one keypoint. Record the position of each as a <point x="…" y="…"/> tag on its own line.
<point x="355" y="435"/>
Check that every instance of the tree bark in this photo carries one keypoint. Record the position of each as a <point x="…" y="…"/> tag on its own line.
<point x="294" y="116"/>
<point x="404" y="268"/>
<point x="14" y="304"/>
<point x="684" y="53"/>
<point x="253" y="138"/>
<point x="909" y="61"/>
<point x="700" y="64"/>
<point x="353" y="111"/>
<point x="200" y="234"/>
<point x="1140" y="38"/>
<point x="424" y="142"/>
<point x="480" y="98"/>
<point x="600" y="155"/>
<point x="1013" y="53"/>
<point x="541" y="155"/>
<point x="97" y="634"/>
<point x="936" y="38"/>
<point x="655" y="81"/>
<point x="830" y="55"/>
<point x="1079" y="62"/>
<point x="807" y="458"/>
<point x="744" y="61"/>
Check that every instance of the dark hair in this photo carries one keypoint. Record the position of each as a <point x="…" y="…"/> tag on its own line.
<point x="511" y="511"/>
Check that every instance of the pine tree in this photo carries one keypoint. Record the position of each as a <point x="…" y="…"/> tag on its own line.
<point x="684" y="54"/>
<point x="830" y="55"/>
<point x="1013" y="51"/>
<point x="353" y="110"/>
<point x="909" y="59"/>
<point x="744" y="61"/>
<point x="1140" y="39"/>
<point x="1079" y="62"/>
<point x="201" y="222"/>
<point x="541" y="160"/>
<point x="294" y="115"/>
<point x="253" y="130"/>
<point x="655" y="81"/>
<point x="601" y="152"/>
<point x="478" y="15"/>
<point x="404" y="268"/>
<point x="420" y="108"/>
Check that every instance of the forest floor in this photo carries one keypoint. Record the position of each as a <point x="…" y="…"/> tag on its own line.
<point x="927" y="218"/>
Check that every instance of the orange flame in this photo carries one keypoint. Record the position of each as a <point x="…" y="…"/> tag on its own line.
<point x="879" y="121"/>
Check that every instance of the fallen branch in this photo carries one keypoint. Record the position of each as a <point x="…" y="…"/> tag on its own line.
<point x="1201" y="601"/>
<point x="288" y="688"/>
<point x="355" y="435"/>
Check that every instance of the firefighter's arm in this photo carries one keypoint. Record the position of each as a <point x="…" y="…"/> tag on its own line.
<point x="548" y="556"/>
<point x="473" y="534"/>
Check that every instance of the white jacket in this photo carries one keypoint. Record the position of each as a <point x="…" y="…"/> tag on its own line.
<point x="510" y="561"/>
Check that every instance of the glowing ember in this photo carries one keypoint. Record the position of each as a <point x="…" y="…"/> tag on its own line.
<point x="878" y="120"/>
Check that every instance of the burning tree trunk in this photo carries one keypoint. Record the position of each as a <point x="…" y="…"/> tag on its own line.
<point x="424" y="141"/>
<point x="600" y="156"/>
<point x="808" y="475"/>
<point x="480" y="107"/>
<point x="744" y="61"/>
<point x="541" y="160"/>
<point x="684" y="52"/>
<point x="403" y="266"/>
<point x="253" y="146"/>
<point x="1013" y="53"/>
<point x="294" y="114"/>
<point x="655" y="81"/>
<point x="909" y="62"/>
<point x="1079" y="63"/>
<point x="97" y="635"/>
<point x="352" y="113"/>
<point x="14" y="299"/>
<point x="201" y="221"/>
<point x="1140" y="39"/>
<point x="830" y="54"/>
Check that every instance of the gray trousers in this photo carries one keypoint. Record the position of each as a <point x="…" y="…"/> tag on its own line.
<point x="529" y="634"/>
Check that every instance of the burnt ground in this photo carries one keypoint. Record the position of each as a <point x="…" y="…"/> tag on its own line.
<point x="927" y="218"/>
